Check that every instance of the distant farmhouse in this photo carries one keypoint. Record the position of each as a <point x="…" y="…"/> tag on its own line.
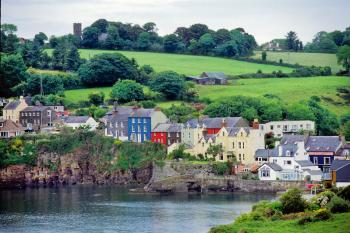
<point x="209" y="78"/>
<point x="274" y="45"/>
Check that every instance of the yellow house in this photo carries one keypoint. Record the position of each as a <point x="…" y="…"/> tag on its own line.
<point x="241" y="142"/>
<point x="12" y="109"/>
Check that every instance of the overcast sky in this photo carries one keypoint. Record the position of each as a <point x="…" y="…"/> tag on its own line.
<point x="265" y="19"/>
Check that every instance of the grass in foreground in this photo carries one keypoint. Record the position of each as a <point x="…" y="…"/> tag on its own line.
<point x="338" y="224"/>
<point x="188" y="64"/>
<point x="290" y="90"/>
<point x="307" y="59"/>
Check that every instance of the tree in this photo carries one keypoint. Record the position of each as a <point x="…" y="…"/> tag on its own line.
<point x="101" y="25"/>
<point x="96" y="98"/>
<point x="106" y="69"/>
<point x="337" y="37"/>
<point x="346" y="130"/>
<point x="205" y="44"/>
<point x="40" y="38"/>
<point x="9" y="40"/>
<point x="90" y="37"/>
<point x="180" y="113"/>
<point x="72" y="60"/>
<point x="170" y="83"/>
<point x="300" y="112"/>
<point x="198" y="30"/>
<point x="12" y="72"/>
<point x="150" y="27"/>
<point x="215" y="150"/>
<point x="33" y="55"/>
<point x="326" y="122"/>
<point x="143" y="41"/>
<point x="126" y="91"/>
<point x="263" y="55"/>
<point x="171" y="43"/>
<point x="343" y="56"/>
<point x="113" y="40"/>
<point x="51" y="84"/>
<point x="292" y="41"/>
<point x="221" y="36"/>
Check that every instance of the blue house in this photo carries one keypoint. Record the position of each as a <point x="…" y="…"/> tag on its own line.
<point x="322" y="150"/>
<point x="141" y="122"/>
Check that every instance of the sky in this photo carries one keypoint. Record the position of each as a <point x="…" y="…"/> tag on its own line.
<point x="265" y="19"/>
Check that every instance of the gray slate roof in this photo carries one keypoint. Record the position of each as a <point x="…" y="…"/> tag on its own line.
<point x="76" y="119"/>
<point x="162" y="127"/>
<point x="234" y="130"/>
<point x="314" y="172"/>
<point x="273" y="166"/>
<point x="35" y="108"/>
<point x="216" y="122"/>
<point x="323" y="143"/>
<point x="305" y="163"/>
<point x="209" y="136"/>
<point x="291" y="139"/>
<point x="338" y="164"/>
<point x="12" y="105"/>
<point x="218" y="75"/>
<point x="142" y="112"/>
<point x="265" y="153"/>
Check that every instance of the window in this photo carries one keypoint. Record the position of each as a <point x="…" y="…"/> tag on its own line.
<point x="243" y="145"/>
<point x="301" y="126"/>
<point x="145" y="128"/>
<point x="138" y="128"/>
<point x="4" y="134"/>
<point x="233" y="144"/>
<point x="287" y="162"/>
<point x="261" y="127"/>
<point x="240" y="157"/>
<point x="37" y="114"/>
<point x="315" y="160"/>
<point x="278" y="126"/>
<point x="241" y="134"/>
<point x="223" y="133"/>
<point x="1" y="124"/>
<point x="121" y="125"/>
<point x="239" y="145"/>
<point x="144" y="121"/>
<point x="308" y="126"/>
<point x="145" y="137"/>
<point x="287" y="153"/>
<point x="133" y="120"/>
<point x="116" y="124"/>
<point x="133" y="128"/>
<point x="275" y="160"/>
<point x="294" y="127"/>
<point x="30" y="114"/>
<point x="139" y="120"/>
<point x="327" y="160"/>
<point x="221" y="157"/>
<point x="271" y="127"/>
<point x="265" y="172"/>
<point x="202" y="144"/>
<point x="285" y="127"/>
<point x="243" y="156"/>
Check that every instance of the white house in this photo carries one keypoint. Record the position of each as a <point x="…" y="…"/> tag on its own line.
<point x="279" y="128"/>
<point x="78" y="121"/>
<point x="292" y="158"/>
<point x="269" y="171"/>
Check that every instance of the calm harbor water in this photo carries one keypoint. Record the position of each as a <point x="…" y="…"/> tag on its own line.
<point x="113" y="209"/>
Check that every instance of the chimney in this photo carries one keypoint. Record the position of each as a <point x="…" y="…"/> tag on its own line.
<point x="279" y="150"/>
<point x="223" y="123"/>
<point x="256" y="124"/>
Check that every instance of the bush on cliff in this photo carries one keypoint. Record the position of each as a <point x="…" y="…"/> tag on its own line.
<point x="338" y="205"/>
<point x="17" y="151"/>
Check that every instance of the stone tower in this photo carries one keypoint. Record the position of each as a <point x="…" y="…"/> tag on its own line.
<point x="77" y="30"/>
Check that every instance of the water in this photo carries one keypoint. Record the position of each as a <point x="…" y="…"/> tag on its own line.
<point x="113" y="209"/>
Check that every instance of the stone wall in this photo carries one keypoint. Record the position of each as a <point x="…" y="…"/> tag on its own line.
<point x="267" y="186"/>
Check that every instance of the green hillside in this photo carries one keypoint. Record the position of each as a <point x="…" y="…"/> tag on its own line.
<point x="308" y="59"/>
<point x="189" y="64"/>
<point x="290" y="90"/>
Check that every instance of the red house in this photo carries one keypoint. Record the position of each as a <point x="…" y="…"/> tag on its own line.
<point x="166" y="133"/>
<point x="213" y="125"/>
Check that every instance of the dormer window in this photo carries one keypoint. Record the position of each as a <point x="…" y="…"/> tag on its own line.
<point x="287" y="153"/>
<point x="1" y="124"/>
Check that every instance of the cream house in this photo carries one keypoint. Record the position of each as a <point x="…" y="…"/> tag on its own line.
<point x="241" y="142"/>
<point x="12" y="109"/>
<point x="279" y="128"/>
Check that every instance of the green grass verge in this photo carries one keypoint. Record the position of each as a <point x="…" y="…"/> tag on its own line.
<point x="338" y="224"/>
<point x="188" y="64"/>
<point x="307" y="59"/>
<point x="290" y="90"/>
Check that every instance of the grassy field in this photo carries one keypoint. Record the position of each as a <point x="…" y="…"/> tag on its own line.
<point x="188" y="64"/>
<point x="338" y="224"/>
<point x="290" y="90"/>
<point x="308" y="59"/>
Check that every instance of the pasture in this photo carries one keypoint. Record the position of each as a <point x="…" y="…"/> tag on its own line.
<point x="188" y="64"/>
<point x="290" y="90"/>
<point x="307" y="59"/>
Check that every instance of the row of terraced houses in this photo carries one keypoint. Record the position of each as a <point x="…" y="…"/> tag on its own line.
<point x="294" y="157"/>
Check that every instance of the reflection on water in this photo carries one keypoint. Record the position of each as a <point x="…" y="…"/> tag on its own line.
<point x="113" y="209"/>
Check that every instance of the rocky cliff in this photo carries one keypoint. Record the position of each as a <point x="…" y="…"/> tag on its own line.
<point x="77" y="167"/>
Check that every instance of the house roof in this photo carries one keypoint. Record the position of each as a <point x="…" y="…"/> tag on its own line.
<point x="76" y="119"/>
<point x="9" y="125"/>
<point x="314" y="172"/>
<point x="291" y="139"/>
<point x="217" y="122"/>
<point x="35" y="108"/>
<point x="273" y="166"/>
<point x="218" y="75"/>
<point x="209" y="136"/>
<point x="161" y="127"/>
<point x="323" y="143"/>
<point x="142" y="112"/>
<point x="275" y="152"/>
<point x="264" y="153"/>
<point x="12" y="105"/>
<point x="339" y="164"/>
<point x="305" y="163"/>
<point x="233" y="131"/>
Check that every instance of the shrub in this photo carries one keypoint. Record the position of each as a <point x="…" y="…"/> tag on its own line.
<point x="345" y="193"/>
<point x="323" y="198"/>
<point x="304" y="220"/>
<point x="220" y="168"/>
<point x="313" y="206"/>
<point x="147" y="104"/>
<point x="338" y="205"/>
<point x="322" y="214"/>
<point x="292" y="202"/>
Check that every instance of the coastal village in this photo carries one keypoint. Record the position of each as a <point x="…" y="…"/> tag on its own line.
<point x="297" y="155"/>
